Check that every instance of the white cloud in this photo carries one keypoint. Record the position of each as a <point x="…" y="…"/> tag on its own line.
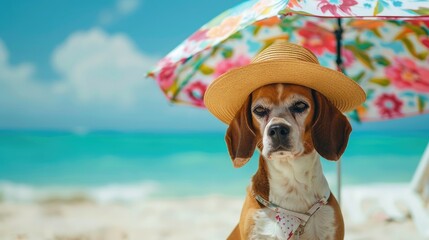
<point x="94" y="68"/>
<point x="15" y="81"/>
<point x="17" y="73"/>
<point x="101" y="85"/>
<point x="101" y="68"/>
<point x="127" y="6"/>
<point x="121" y="9"/>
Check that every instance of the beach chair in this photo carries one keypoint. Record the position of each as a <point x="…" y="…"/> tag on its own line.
<point x="414" y="196"/>
<point x="419" y="201"/>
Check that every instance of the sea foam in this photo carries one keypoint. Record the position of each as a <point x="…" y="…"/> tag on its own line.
<point x="114" y="193"/>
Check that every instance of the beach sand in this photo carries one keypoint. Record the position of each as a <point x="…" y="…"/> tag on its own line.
<point x="210" y="217"/>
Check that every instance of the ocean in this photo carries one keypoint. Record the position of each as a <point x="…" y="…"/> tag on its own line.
<point x="110" y="166"/>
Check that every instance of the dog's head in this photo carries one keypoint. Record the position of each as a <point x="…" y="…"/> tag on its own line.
<point x="287" y="121"/>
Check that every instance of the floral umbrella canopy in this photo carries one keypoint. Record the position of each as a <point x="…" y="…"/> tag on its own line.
<point x="383" y="45"/>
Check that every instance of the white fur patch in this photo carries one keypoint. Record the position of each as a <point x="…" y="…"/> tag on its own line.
<point x="266" y="226"/>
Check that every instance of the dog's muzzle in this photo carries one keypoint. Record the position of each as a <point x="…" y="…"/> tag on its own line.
<point x="279" y="135"/>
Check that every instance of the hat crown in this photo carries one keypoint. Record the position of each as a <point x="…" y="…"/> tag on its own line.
<point x="282" y="50"/>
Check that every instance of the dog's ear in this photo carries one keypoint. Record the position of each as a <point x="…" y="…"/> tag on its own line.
<point x="240" y="136"/>
<point x="331" y="129"/>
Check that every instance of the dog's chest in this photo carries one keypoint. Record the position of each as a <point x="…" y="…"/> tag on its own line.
<point x="320" y="226"/>
<point x="296" y="187"/>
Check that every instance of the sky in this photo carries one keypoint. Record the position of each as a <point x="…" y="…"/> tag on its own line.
<point x="80" y="66"/>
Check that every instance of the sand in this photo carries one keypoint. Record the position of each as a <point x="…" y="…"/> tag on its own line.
<point x="210" y="217"/>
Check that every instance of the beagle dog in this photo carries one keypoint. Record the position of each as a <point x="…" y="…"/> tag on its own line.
<point x="292" y="126"/>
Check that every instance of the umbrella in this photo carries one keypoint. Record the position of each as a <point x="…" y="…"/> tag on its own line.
<point x="382" y="45"/>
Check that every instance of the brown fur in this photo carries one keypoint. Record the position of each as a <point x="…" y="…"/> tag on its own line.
<point x="324" y="124"/>
<point x="240" y="136"/>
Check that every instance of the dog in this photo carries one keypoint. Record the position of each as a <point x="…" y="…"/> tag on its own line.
<point x="292" y="126"/>
<point x="289" y="107"/>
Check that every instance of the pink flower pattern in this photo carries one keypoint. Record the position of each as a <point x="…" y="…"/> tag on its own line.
<point x="405" y="74"/>
<point x="317" y="39"/>
<point x="199" y="35"/>
<point x="195" y="92"/>
<point x="425" y="41"/>
<point x="333" y="5"/>
<point x="166" y="76"/>
<point x="348" y="57"/>
<point x="389" y="106"/>
<point x="228" y="64"/>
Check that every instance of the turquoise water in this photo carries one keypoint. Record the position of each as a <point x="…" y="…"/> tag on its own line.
<point x="181" y="164"/>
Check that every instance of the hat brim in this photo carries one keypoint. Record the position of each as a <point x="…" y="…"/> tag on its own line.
<point x="225" y="95"/>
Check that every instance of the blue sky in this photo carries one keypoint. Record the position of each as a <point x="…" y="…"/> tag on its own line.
<point x="78" y="65"/>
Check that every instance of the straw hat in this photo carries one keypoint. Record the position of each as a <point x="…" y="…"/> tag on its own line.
<point x="282" y="62"/>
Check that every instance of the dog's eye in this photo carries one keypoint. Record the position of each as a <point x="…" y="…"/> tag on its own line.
<point x="299" y="107"/>
<point x="261" y="111"/>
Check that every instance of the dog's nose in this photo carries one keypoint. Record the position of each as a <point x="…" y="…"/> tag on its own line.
<point x="278" y="132"/>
